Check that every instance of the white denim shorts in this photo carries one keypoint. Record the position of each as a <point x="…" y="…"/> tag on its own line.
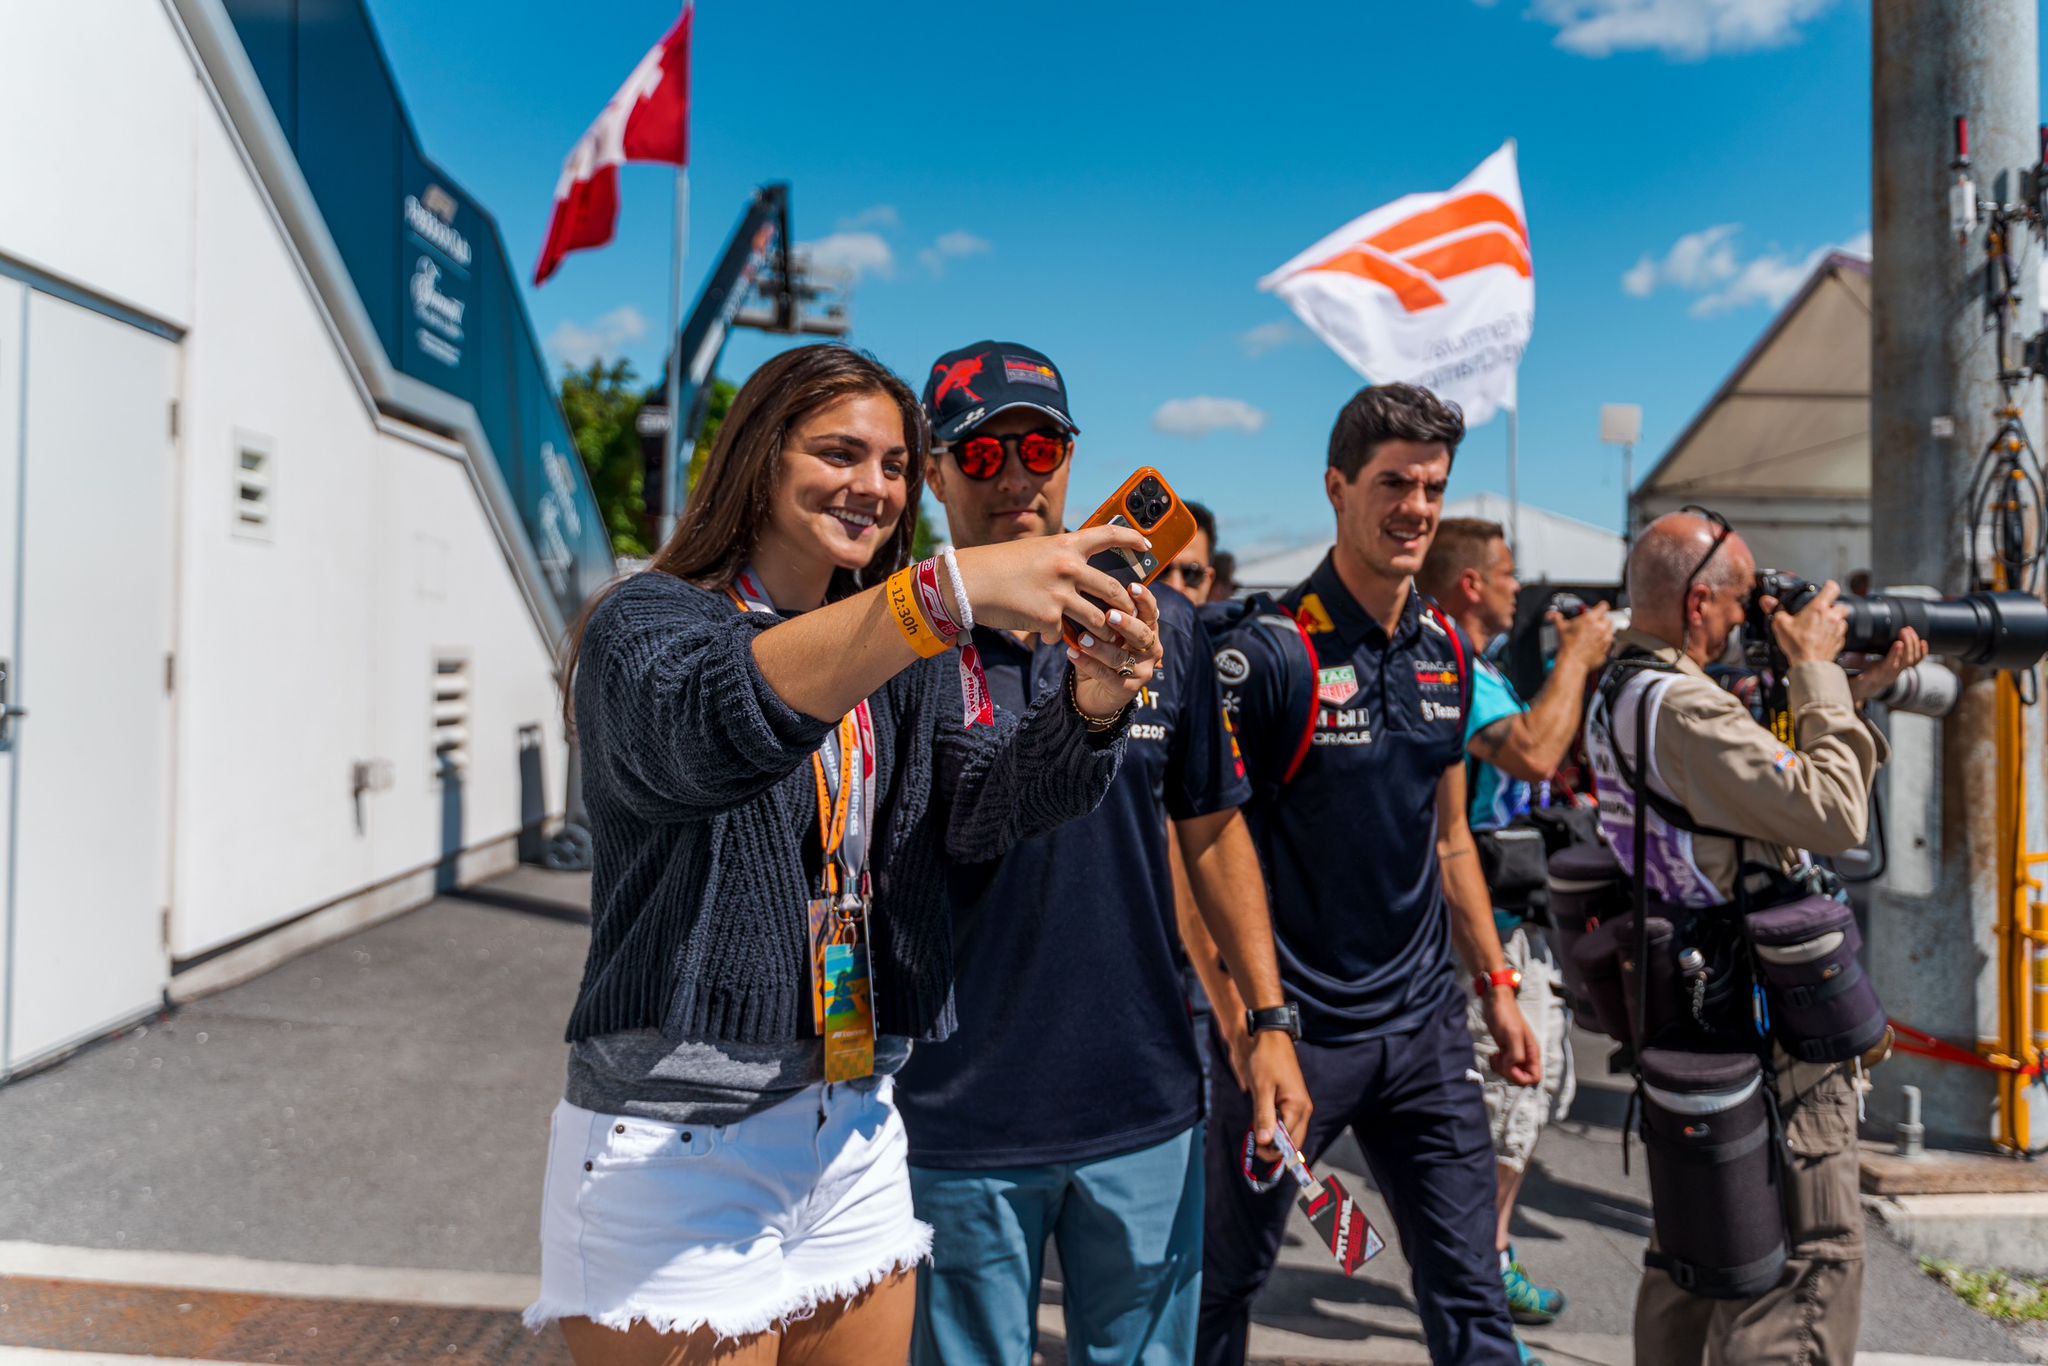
<point x="738" y="1229"/>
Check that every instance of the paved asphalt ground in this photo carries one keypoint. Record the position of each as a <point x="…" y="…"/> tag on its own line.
<point x="367" y="1124"/>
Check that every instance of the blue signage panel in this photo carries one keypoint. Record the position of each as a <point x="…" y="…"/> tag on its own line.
<point x="430" y="267"/>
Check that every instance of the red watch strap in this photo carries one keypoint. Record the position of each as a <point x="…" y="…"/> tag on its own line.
<point x="1499" y="977"/>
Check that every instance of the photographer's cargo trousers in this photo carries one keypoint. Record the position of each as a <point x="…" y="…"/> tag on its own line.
<point x="1812" y="1314"/>
<point x="1708" y="755"/>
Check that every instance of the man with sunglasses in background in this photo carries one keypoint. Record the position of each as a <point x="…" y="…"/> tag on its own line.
<point x="1746" y="798"/>
<point x="1067" y="1105"/>
<point x="1193" y="570"/>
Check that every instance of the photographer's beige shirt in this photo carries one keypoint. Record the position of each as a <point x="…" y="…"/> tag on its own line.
<point x="1732" y="774"/>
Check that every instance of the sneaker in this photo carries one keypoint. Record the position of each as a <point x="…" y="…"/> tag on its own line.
<point x="1529" y="1358"/>
<point x="1528" y="1302"/>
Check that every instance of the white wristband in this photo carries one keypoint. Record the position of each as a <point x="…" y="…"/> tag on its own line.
<point x="959" y="588"/>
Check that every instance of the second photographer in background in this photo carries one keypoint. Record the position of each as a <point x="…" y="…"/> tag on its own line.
<point x="1514" y="746"/>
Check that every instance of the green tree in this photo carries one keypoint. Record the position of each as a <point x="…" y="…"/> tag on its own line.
<point x="601" y="402"/>
<point x="722" y="393"/>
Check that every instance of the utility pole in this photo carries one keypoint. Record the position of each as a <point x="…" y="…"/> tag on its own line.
<point x="1935" y="916"/>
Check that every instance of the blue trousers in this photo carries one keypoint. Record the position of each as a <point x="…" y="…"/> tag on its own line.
<point x="1129" y="1232"/>
<point x="1421" y="1120"/>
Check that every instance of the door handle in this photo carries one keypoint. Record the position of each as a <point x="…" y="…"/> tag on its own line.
<point x="9" y="713"/>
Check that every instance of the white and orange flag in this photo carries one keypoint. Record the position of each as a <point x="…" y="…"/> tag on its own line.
<point x="1432" y="289"/>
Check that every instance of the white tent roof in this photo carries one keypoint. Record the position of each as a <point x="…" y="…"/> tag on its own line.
<point x="1554" y="548"/>
<point x="1794" y="418"/>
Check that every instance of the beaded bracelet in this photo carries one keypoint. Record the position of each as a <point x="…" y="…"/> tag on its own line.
<point x="959" y="587"/>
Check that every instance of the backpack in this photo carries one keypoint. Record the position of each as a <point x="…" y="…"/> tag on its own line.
<point x="1300" y="665"/>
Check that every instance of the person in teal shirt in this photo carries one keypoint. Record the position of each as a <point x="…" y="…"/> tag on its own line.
<point x="1513" y="746"/>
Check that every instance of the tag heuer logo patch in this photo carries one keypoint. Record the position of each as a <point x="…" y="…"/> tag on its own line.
<point x="1232" y="668"/>
<point x="1338" y="685"/>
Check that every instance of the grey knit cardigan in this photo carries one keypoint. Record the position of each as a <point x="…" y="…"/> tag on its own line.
<point x="698" y="781"/>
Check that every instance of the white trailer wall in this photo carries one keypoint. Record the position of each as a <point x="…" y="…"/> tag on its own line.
<point x="306" y="645"/>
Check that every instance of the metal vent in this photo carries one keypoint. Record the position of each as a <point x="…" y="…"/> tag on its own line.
<point x="451" y="716"/>
<point x="254" y="501"/>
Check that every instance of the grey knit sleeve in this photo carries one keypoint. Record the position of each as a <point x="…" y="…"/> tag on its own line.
<point x="1021" y="777"/>
<point x="684" y="723"/>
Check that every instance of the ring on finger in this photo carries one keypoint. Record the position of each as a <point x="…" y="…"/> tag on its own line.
<point x="1127" y="669"/>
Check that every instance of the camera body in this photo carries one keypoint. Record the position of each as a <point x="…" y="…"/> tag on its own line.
<point x="1991" y="630"/>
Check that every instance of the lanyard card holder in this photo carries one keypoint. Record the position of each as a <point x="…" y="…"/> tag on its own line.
<point x="844" y="986"/>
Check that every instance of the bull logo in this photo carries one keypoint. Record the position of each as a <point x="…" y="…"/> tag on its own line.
<point x="958" y="375"/>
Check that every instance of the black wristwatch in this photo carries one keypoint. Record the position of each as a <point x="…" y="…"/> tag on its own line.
<point x="1285" y="1018"/>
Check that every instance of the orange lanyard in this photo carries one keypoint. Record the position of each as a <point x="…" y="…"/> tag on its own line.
<point x="835" y="805"/>
<point x="832" y="814"/>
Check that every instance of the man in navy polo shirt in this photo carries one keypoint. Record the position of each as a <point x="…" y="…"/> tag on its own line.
<point x="1360" y="811"/>
<point x="1068" y="1103"/>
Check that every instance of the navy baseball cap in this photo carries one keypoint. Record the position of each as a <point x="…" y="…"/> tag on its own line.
<point x="969" y="386"/>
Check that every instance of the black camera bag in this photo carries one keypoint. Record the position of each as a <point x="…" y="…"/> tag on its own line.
<point x="1605" y="959"/>
<point x="1512" y="860"/>
<point x="1824" y="1007"/>
<point x="1709" y="1126"/>
<point x="1587" y="888"/>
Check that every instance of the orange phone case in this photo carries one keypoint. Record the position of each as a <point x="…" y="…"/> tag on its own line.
<point x="1170" y="531"/>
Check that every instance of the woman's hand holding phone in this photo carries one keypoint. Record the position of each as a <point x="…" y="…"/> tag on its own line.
<point x="1039" y="584"/>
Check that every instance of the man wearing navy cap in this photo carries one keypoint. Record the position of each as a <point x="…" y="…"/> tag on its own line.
<point x="1068" y="1103"/>
<point x="1352" y="718"/>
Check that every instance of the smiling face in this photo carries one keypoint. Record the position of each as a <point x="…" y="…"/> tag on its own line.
<point x="842" y="485"/>
<point x="1014" y="503"/>
<point x="1388" y="511"/>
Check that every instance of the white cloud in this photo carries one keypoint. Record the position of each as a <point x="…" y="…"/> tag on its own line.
<point x="952" y="246"/>
<point x="1271" y="337"/>
<point x="852" y="254"/>
<point x="1640" y="279"/>
<point x="578" y="345"/>
<point x="1772" y="278"/>
<point x="1708" y="264"/>
<point x="1197" y="417"/>
<point x="1685" y="30"/>
<point x="876" y="216"/>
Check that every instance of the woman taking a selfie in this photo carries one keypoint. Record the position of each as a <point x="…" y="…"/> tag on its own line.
<point x="780" y="745"/>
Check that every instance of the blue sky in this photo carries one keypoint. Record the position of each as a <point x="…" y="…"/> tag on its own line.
<point x="1107" y="183"/>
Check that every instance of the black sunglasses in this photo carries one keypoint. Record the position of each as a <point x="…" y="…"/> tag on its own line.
<point x="1721" y="535"/>
<point x="1192" y="575"/>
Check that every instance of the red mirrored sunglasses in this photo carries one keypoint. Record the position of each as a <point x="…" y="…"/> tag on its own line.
<point x="981" y="457"/>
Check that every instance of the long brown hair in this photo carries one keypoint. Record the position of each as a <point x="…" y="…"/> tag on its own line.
<point x="732" y="501"/>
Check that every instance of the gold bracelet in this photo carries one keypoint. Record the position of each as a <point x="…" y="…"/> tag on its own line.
<point x="901" y="593"/>
<point x="1097" y="724"/>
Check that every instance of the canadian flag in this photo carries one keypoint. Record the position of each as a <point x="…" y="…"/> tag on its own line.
<point x="648" y="120"/>
<point x="1433" y="289"/>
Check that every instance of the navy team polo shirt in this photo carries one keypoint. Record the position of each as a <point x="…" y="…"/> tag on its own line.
<point x="1349" y="844"/>
<point x="1074" y="1041"/>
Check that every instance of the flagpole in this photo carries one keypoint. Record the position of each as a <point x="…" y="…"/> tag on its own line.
<point x="673" y="492"/>
<point x="1514" y="483"/>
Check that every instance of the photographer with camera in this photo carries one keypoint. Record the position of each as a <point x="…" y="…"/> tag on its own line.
<point x="1513" y="745"/>
<point x="1710" y="812"/>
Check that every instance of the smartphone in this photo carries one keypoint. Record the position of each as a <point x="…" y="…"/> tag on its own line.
<point x="1147" y="502"/>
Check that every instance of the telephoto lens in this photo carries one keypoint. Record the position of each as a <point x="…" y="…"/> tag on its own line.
<point x="1990" y="630"/>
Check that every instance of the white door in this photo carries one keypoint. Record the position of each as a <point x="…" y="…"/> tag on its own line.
<point x="85" y="832"/>
<point x="13" y="370"/>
